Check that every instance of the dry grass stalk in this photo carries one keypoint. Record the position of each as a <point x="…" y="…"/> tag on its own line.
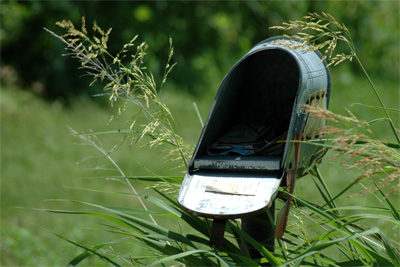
<point x="378" y="161"/>
<point x="126" y="77"/>
<point x="319" y="32"/>
<point x="323" y="33"/>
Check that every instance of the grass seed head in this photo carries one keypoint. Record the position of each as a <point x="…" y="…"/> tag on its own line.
<point x="319" y="32"/>
<point x="352" y="140"/>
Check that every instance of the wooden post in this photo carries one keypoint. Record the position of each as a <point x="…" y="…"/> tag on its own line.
<point x="261" y="228"/>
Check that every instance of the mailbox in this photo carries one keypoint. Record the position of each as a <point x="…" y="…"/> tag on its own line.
<point x="246" y="145"/>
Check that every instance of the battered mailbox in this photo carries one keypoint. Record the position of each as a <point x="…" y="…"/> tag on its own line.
<point x="242" y="153"/>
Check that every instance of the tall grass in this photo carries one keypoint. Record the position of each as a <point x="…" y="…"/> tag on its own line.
<point x="38" y="162"/>
<point x="41" y="161"/>
<point x="320" y="233"/>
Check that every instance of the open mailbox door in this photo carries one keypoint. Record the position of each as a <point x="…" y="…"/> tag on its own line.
<point x="246" y="144"/>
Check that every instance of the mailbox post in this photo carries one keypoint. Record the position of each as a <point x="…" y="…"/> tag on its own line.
<point x="246" y="149"/>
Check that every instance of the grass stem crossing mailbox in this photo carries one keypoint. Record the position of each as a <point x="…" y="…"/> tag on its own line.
<point x="246" y="146"/>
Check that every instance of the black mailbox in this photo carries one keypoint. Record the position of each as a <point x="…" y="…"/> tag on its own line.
<point x="246" y="145"/>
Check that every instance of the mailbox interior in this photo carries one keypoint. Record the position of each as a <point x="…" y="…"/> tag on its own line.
<point x="261" y="90"/>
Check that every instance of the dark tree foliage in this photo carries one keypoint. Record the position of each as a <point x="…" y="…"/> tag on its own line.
<point x="208" y="37"/>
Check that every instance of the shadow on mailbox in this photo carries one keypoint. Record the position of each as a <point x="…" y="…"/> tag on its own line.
<point x="246" y="146"/>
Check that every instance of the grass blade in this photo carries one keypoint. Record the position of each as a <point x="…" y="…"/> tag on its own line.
<point x="274" y="261"/>
<point x="328" y="198"/>
<point x="392" y="252"/>
<point x="321" y="246"/>
<point x="92" y="251"/>
<point x="110" y="218"/>
<point x="78" y="259"/>
<point x="129" y="131"/>
<point x="182" y="255"/>
<point x="170" y="250"/>
<point x="395" y="212"/>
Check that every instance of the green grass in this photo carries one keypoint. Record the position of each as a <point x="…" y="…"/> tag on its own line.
<point x="349" y="90"/>
<point x="38" y="163"/>
<point x="39" y="173"/>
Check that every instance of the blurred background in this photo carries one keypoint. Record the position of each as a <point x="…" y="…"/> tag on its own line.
<point x="43" y="92"/>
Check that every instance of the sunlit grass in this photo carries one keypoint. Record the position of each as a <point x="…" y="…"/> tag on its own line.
<point x="41" y="160"/>
<point x="39" y="163"/>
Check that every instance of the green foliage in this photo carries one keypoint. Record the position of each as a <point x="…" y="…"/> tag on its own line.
<point x="208" y="37"/>
<point x="320" y="227"/>
<point x="41" y="160"/>
<point x="358" y="245"/>
<point x="31" y="126"/>
<point x="330" y="230"/>
<point x="38" y="163"/>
